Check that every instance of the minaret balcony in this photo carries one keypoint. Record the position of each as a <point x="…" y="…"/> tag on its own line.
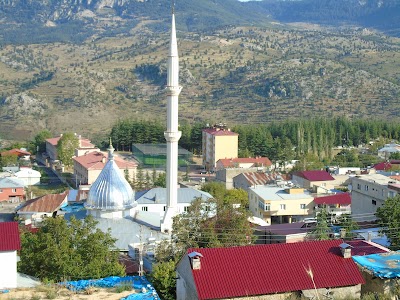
<point x="173" y="90"/>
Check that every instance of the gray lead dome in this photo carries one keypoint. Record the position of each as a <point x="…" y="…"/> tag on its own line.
<point x="111" y="191"/>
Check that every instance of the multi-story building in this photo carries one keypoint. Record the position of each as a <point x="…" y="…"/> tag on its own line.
<point x="368" y="192"/>
<point x="316" y="180"/>
<point x="89" y="166"/>
<point x="85" y="146"/>
<point x="11" y="189"/>
<point x="276" y="204"/>
<point x="218" y="142"/>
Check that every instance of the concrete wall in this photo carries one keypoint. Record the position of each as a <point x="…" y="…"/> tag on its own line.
<point x="8" y="269"/>
<point x="379" y="285"/>
<point x="185" y="287"/>
<point x="9" y="193"/>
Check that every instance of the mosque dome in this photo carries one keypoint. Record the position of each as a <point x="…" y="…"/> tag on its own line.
<point x="111" y="191"/>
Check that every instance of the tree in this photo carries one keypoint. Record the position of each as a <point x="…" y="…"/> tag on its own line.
<point x="77" y="250"/>
<point x="347" y="223"/>
<point x="39" y="140"/>
<point x="8" y="160"/>
<point x="66" y="148"/>
<point x="163" y="278"/>
<point x="161" y="180"/>
<point x="389" y="220"/>
<point x="321" y="231"/>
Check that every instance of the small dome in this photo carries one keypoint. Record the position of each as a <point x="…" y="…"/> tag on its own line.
<point x="111" y="191"/>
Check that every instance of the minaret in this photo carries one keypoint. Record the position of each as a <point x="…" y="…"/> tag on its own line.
<point x="172" y="135"/>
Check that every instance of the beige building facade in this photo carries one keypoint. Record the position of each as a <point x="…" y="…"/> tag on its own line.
<point x="218" y="143"/>
<point x="279" y="205"/>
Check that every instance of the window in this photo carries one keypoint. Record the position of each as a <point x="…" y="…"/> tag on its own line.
<point x="391" y="194"/>
<point x="186" y="208"/>
<point x="144" y="208"/>
<point x="208" y="208"/>
<point x="302" y="206"/>
<point x="373" y="202"/>
<point x="165" y="208"/>
<point x="283" y="206"/>
<point x="1" y="190"/>
<point x="14" y="190"/>
<point x="267" y="207"/>
<point x="358" y="186"/>
<point x="366" y="187"/>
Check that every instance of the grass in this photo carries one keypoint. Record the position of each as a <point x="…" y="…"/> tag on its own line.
<point x="126" y="286"/>
<point x="41" y="190"/>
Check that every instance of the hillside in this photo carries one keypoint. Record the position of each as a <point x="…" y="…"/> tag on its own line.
<point x="87" y="64"/>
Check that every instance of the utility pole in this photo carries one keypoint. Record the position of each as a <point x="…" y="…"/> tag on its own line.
<point x="141" y="251"/>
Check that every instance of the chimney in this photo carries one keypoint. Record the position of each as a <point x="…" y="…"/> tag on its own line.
<point x="346" y="250"/>
<point x="342" y="233"/>
<point x="369" y="239"/>
<point x="195" y="260"/>
<point x="103" y="160"/>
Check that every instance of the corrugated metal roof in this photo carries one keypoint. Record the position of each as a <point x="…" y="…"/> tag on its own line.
<point x="232" y="162"/>
<point x="315" y="175"/>
<point x="159" y="195"/>
<point x="278" y="193"/>
<point x="261" y="178"/>
<point x="341" y="198"/>
<point x="11" y="182"/>
<point x="268" y="269"/>
<point x="9" y="236"/>
<point x="362" y="248"/>
<point x="48" y="203"/>
<point x="94" y="161"/>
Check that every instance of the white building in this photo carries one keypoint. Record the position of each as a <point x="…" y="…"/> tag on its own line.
<point x="29" y="176"/>
<point x="9" y="244"/>
<point x="368" y="192"/>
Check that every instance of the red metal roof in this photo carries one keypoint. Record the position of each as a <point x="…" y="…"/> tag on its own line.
<point x="269" y="269"/>
<point x="9" y="236"/>
<point x="48" y="203"/>
<point x="83" y="142"/>
<point x="94" y="161"/>
<point x="217" y="131"/>
<point x="385" y="165"/>
<point x="362" y="248"/>
<point x="315" y="175"/>
<point x="341" y="198"/>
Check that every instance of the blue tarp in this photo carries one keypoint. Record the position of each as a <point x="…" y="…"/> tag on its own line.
<point x="383" y="265"/>
<point x="145" y="290"/>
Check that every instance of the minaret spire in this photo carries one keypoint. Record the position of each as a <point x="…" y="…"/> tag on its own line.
<point x="172" y="134"/>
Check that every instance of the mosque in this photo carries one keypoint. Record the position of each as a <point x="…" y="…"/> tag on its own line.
<point x="133" y="219"/>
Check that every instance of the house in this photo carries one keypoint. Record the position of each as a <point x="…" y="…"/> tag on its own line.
<point x="20" y="153"/>
<point x="381" y="272"/>
<point x="283" y="233"/>
<point x="9" y="245"/>
<point x="368" y="192"/>
<point x="388" y="149"/>
<point x="274" y="272"/>
<point x="85" y="146"/>
<point x="151" y="204"/>
<point x="251" y="179"/>
<point x="29" y="176"/>
<point x="11" y="189"/>
<point x="243" y="162"/>
<point x="387" y="165"/>
<point x="218" y="142"/>
<point x="35" y="210"/>
<point x="88" y="167"/>
<point x="226" y="175"/>
<point x="280" y="204"/>
<point x="336" y="204"/>
<point x="317" y="180"/>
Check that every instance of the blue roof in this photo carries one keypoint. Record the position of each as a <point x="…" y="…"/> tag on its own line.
<point x="11" y="182"/>
<point x="159" y="195"/>
<point x="383" y="265"/>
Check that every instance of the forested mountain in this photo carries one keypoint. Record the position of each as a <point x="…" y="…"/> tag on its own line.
<point x="81" y="65"/>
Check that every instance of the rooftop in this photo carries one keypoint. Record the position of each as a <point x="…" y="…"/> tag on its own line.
<point x="340" y="198"/>
<point x="383" y="265"/>
<point x="48" y="203"/>
<point x="159" y="195"/>
<point x="275" y="193"/>
<point x="315" y="175"/>
<point x="158" y="149"/>
<point x="9" y="236"/>
<point x="232" y="162"/>
<point x="220" y="132"/>
<point x="375" y="178"/>
<point x="268" y="269"/>
<point x="83" y="142"/>
<point x="94" y="161"/>
<point x="11" y="182"/>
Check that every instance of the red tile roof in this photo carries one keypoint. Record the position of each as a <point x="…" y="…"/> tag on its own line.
<point x="83" y="143"/>
<point x="341" y="198"/>
<point x="94" y="161"/>
<point x="48" y="203"/>
<point x="362" y="248"/>
<point x="232" y="162"/>
<point x="315" y="175"/>
<point x="217" y="131"/>
<point x="9" y="236"/>
<point x="269" y="269"/>
<point x="17" y="152"/>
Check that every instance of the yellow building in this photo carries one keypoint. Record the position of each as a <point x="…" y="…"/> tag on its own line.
<point x="218" y="143"/>
<point x="276" y="204"/>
